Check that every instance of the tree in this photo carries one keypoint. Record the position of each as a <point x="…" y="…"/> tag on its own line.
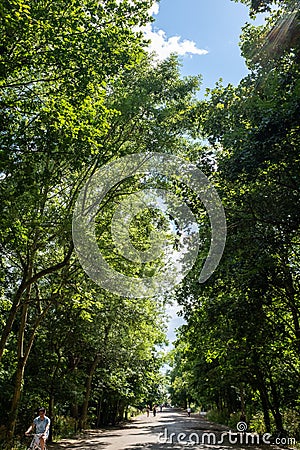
<point x="243" y="325"/>
<point x="58" y="60"/>
<point x="118" y="114"/>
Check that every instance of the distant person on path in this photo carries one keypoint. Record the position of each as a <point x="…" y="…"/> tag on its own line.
<point x="189" y="411"/>
<point x="160" y="408"/>
<point x="154" y="410"/>
<point x="41" y="424"/>
<point x="147" y="410"/>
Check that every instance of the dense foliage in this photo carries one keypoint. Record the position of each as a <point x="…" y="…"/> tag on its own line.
<point x="77" y="90"/>
<point x="239" y="352"/>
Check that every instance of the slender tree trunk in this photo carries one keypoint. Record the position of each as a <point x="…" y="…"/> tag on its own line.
<point x="88" y="384"/>
<point x="99" y="413"/>
<point x="19" y="375"/>
<point x="265" y="408"/>
<point x="185" y="403"/>
<point x="243" y="404"/>
<point x="118" y="407"/>
<point x="122" y="409"/>
<point x="51" y="414"/>
<point x="51" y="399"/>
<point x="12" y="315"/>
<point x="114" y="412"/>
<point x="126" y="412"/>
<point x="263" y="392"/>
<point x="26" y="283"/>
<point x="88" y="387"/>
<point x="22" y="361"/>
<point x="276" y="412"/>
<point x="16" y="399"/>
<point x="292" y="302"/>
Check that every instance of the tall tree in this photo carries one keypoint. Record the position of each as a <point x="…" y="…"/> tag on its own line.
<point x="56" y="60"/>
<point x="245" y="321"/>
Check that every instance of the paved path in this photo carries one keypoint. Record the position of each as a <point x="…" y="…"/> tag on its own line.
<point x="169" y="430"/>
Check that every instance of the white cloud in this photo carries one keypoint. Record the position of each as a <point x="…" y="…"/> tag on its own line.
<point x="154" y="10"/>
<point x="164" y="46"/>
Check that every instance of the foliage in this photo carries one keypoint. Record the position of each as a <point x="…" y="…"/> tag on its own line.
<point x="77" y="91"/>
<point x="240" y="347"/>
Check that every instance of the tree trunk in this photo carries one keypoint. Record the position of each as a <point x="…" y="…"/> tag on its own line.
<point x="265" y="407"/>
<point x="22" y="361"/>
<point x="88" y="387"/>
<point x="16" y="399"/>
<point x="99" y="412"/>
<point x="51" y="415"/>
<point x="276" y="412"/>
<point x="18" y="381"/>
<point x="126" y="413"/>
<point x="263" y="392"/>
<point x="26" y="283"/>
<point x="12" y="315"/>
<point x="292" y="298"/>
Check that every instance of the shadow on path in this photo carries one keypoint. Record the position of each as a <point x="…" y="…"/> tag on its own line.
<point x="169" y="430"/>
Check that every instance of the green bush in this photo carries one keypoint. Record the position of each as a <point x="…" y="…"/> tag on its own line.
<point x="257" y="423"/>
<point x="132" y="411"/>
<point x="291" y="420"/>
<point x="222" y="417"/>
<point x="233" y="420"/>
<point x="16" y="445"/>
<point x="64" y="427"/>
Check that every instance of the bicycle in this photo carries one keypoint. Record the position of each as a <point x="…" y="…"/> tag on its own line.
<point x="35" y="443"/>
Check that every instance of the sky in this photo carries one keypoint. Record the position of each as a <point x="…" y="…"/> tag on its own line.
<point x="205" y="33"/>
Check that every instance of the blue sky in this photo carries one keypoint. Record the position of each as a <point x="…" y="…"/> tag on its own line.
<point x="205" y="33"/>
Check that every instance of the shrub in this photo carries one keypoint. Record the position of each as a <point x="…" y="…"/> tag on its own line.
<point x="222" y="417"/>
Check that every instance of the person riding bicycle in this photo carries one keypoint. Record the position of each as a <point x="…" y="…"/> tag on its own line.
<point x="41" y="425"/>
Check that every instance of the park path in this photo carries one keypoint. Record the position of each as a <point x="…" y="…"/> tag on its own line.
<point x="165" y="431"/>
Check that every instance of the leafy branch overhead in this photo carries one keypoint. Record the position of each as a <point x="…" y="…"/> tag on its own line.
<point x="77" y="90"/>
<point x="239" y="351"/>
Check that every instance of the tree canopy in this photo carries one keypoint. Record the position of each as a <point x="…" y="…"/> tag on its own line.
<point x="78" y="90"/>
<point x="239" y="351"/>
